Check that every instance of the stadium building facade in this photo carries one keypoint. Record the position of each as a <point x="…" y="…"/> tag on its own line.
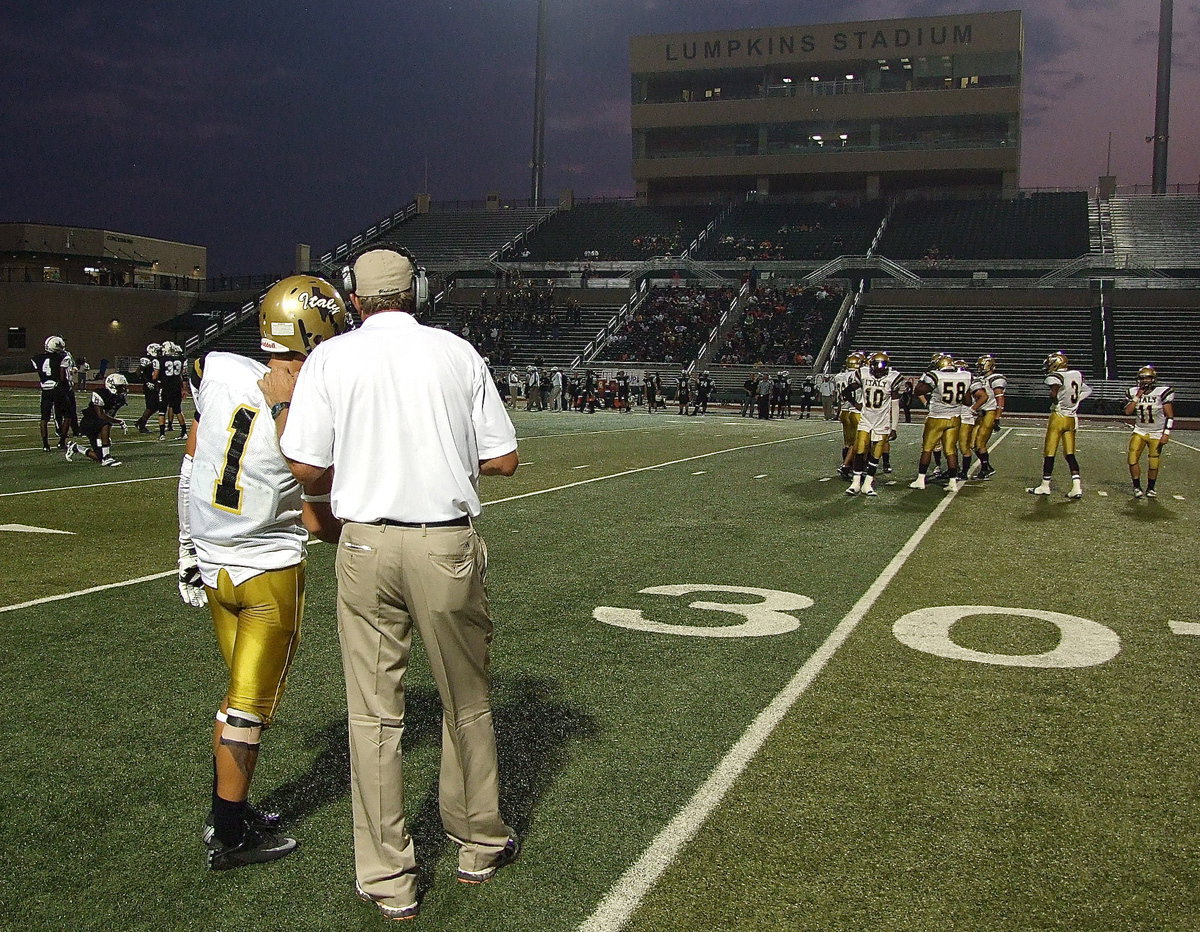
<point x="871" y="109"/>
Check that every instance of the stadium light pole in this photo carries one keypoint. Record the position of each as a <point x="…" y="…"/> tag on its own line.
<point x="539" y="109"/>
<point x="1162" y="103"/>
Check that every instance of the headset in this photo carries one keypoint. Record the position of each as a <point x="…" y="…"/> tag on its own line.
<point x="420" y="279"/>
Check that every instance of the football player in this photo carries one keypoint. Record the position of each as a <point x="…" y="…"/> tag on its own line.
<point x="623" y="391"/>
<point x="1067" y="392"/>
<point x="51" y="368"/>
<point x="785" y="394"/>
<point x="683" y="388"/>
<point x="1153" y="407"/>
<point x="945" y="387"/>
<point x="100" y="418"/>
<point x="242" y="536"/>
<point x="704" y="387"/>
<point x="170" y="380"/>
<point x="876" y="386"/>
<point x="148" y="369"/>
<point x="848" y="410"/>
<point x="967" y="415"/>
<point x="989" y="412"/>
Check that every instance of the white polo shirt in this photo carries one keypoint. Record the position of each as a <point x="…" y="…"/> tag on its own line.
<point x="404" y="413"/>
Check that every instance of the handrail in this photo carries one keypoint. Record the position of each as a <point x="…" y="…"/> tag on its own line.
<point x="840" y="324"/>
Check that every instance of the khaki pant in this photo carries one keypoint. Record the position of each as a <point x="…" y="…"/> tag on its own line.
<point x="388" y="578"/>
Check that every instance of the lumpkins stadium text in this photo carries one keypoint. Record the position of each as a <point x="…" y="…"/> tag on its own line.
<point x="861" y="40"/>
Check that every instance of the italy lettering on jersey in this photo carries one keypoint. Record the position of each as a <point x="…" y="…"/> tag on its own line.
<point x="875" y="398"/>
<point x="1071" y="390"/>
<point x="841" y="381"/>
<point x="1149" y="417"/>
<point x="244" y="503"/>
<point x="994" y="384"/>
<point x="949" y="388"/>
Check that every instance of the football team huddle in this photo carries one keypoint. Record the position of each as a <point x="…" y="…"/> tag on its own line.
<point x="965" y="405"/>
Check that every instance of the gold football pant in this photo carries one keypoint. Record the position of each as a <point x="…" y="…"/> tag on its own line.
<point x="984" y="426"/>
<point x="849" y="421"/>
<point x="1138" y="443"/>
<point x="966" y="438"/>
<point x="863" y="443"/>
<point x="391" y="578"/>
<point x="1060" y="429"/>
<point x="258" y="631"/>
<point x="943" y="429"/>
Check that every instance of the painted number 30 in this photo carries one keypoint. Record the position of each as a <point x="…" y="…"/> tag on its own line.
<point x="761" y="618"/>
<point x="1082" y="643"/>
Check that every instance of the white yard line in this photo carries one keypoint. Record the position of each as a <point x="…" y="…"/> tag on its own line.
<point x="71" y="595"/>
<point x="498" y="501"/>
<point x="1182" y="444"/>
<point x="626" y="895"/>
<point x="90" y="485"/>
<point x="124" y="443"/>
<point x="630" y="472"/>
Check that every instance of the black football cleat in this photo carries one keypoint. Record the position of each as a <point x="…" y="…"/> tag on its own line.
<point x="258" y="846"/>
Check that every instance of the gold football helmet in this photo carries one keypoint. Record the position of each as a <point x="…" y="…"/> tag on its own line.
<point x="298" y="313"/>
<point x="943" y="361"/>
<point x="879" y="364"/>
<point x="855" y="360"/>
<point x="1146" y="377"/>
<point x="961" y="365"/>
<point x="985" y="364"/>
<point x="1056" y="362"/>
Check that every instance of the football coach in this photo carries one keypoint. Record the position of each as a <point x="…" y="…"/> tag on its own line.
<point x="408" y="418"/>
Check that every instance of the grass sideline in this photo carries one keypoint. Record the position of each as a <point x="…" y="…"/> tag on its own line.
<point x="903" y="791"/>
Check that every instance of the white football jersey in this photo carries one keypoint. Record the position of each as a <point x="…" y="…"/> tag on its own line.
<point x="875" y="397"/>
<point x="1149" y="417"/>
<point x="245" y="504"/>
<point x="840" y="381"/>
<point x="994" y="385"/>
<point x="1071" y="390"/>
<point x="949" y="389"/>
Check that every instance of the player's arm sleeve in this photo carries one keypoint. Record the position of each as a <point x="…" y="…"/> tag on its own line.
<point x="308" y="437"/>
<point x="494" y="432"/>
<point x="1084" y="390"/>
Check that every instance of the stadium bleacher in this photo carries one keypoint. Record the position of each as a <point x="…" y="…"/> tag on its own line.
<point x="1020" y="336"/>
<point x="1037" y="226"/>
<point x="1162" y="231"/>
<point x="801" y="232"/>
<point x="616" y="231"/>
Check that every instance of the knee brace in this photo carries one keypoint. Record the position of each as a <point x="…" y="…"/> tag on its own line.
<point x="1153" y="459"/>
<point x="239" y="727"/>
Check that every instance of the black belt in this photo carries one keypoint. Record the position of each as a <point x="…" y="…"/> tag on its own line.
<point x="464" y="521"/>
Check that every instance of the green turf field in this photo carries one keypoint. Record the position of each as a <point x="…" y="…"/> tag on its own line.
<point x="850" y="764"/>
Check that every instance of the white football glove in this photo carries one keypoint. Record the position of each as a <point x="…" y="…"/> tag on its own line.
<point x="191" y="586"/>
<point x="119" y="423"/>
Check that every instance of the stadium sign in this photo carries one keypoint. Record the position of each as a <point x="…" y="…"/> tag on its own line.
<point x="903" y="39"/>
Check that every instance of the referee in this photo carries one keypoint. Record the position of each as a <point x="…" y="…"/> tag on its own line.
<point x="408" y="419"/>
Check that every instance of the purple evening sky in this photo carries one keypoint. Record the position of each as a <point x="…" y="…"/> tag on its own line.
<point x="248" y="127"/>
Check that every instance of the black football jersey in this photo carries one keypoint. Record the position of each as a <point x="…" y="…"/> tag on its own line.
<point x="172" y="371"/>
<point x="49" y="367"/>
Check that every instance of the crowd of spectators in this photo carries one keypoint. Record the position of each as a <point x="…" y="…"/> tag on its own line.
<point x="796" y="241"/>
<point x="504" y="313"/>
<point x="670" y="325"/>
<point x="782" y="326"/>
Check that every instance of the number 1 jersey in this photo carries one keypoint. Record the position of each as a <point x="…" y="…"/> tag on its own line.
<point x="244" y="504"/>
